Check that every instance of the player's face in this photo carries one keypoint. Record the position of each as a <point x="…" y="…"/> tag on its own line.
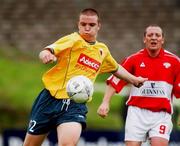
<point x="153" y="38"/>
<point x="88" y="27"/>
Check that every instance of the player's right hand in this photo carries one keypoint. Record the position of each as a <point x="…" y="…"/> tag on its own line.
<point x="103" y="110"/>
<point x="47" y="57"/>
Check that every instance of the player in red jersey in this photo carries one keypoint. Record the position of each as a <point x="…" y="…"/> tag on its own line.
<point x="150" y="106"/>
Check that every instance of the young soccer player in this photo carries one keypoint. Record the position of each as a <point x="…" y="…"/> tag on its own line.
<point x="78" y="53"/>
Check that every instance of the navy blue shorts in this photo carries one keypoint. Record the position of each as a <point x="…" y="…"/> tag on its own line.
<point x="48" y="112"/>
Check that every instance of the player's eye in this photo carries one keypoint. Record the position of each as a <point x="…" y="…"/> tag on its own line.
<point x="158" y="35"/>
<point x="83" y="24"/>
<point x="150" y="35"/>
<point x="92" y="24"/>
<point x="88" y="24"/>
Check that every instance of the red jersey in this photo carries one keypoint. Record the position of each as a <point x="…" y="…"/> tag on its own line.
<point x="163" y="73"/>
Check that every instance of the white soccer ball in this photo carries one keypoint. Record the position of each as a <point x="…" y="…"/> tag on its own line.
<point x="80" y="89"/>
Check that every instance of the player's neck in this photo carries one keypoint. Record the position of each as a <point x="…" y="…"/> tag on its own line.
<point x="153" y="53"/>
<point x="91" y="43"/>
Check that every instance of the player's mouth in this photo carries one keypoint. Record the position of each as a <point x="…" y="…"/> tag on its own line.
<point x="86" y="34"/>
<point x="88" y="37"/>
<point x="153" y="44"/>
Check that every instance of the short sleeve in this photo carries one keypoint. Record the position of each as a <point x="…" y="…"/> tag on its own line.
<point x="109" y="64"/>
<point x="61" y="44"/>
<point x="117" y="83"/>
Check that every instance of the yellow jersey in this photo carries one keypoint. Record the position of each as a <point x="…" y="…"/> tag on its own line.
<point x="75" y="56"/>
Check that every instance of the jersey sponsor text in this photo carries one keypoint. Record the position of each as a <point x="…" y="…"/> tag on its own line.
<point x="89" y="62"/>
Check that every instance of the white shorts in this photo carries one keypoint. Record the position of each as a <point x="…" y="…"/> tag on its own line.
<point x="142" y="124"/>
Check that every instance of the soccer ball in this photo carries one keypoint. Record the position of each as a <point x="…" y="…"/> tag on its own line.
<point x="80" y="89"/>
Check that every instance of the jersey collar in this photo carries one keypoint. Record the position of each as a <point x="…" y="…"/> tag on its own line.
<point x="161" y="53"/>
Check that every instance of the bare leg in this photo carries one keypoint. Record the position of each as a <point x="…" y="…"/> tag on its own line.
<point x="133" y="143"/>
<point x="158" y="141"/>
<point x="69" y="133"/>
<point x="34" y="140"/>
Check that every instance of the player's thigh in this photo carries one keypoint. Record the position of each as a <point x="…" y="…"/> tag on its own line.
<point x="133" y="143"/>
<point x="158" y="141"/>
<point x="34" y="140"/>
<point x="136" y="126"/>
<point x="162" y="126"/>
<point x="71" y="133"/>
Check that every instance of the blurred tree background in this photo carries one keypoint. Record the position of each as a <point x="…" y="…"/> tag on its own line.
<point x="27" y="26"/>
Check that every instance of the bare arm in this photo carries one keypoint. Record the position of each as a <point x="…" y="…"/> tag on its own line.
<point x="122" y="73"/>
<point x="104" y="107"/>
<point x="46" y="56"/>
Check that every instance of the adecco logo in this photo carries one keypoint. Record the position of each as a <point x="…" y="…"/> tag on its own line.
<point x="89" y="62"/>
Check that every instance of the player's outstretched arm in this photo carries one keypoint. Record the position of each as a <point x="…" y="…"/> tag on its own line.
<point x="46" y="56"/>
<point x="122" y="73"/>
<point x="104" y="106"/>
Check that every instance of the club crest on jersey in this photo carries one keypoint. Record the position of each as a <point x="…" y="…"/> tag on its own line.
<point x="88" y="62"/>
<point x="166" y="65"/>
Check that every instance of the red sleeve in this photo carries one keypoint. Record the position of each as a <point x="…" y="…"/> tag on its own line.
<point x="176" y="86"/>
<point x="117" y="83"/>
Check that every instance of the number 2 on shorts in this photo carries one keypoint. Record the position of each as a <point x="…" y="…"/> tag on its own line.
<point x="32" y="125"/>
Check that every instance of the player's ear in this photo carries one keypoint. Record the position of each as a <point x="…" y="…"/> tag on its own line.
<point x="78" y="24"/>
<point x="144" y="40"/>
<point x="99" y="25"/>
<point x="163" y="40"/>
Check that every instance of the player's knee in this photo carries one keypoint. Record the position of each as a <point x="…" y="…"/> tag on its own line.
<point x="67" y="143"/>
